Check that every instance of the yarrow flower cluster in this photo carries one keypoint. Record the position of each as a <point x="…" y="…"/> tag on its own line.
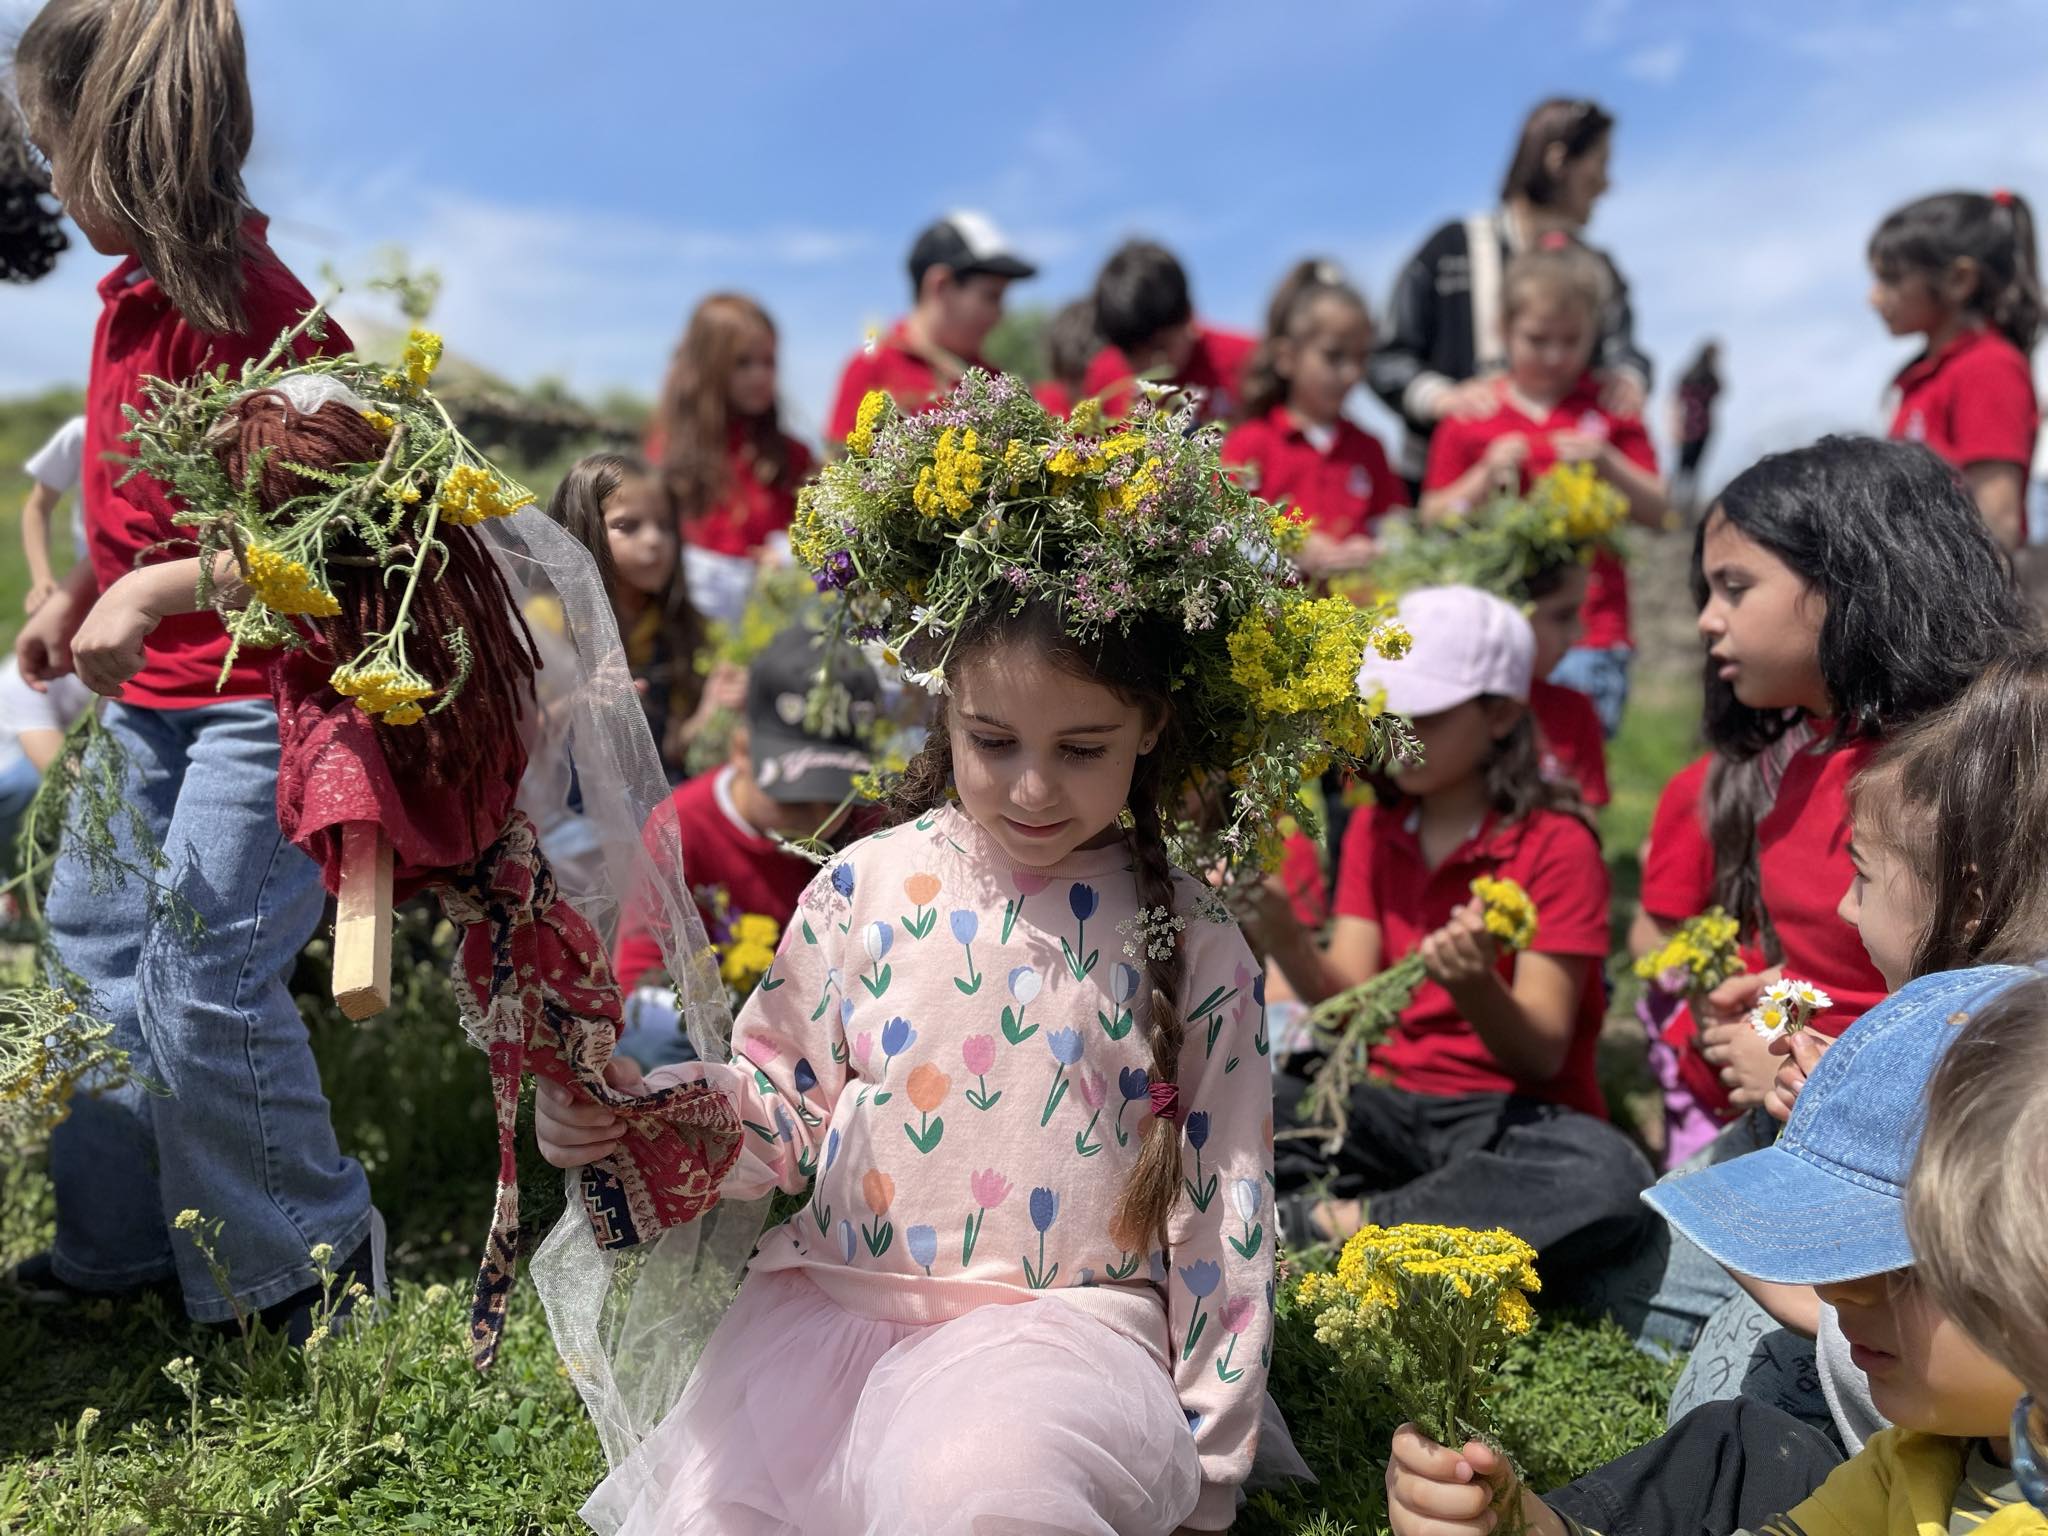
<point x="47" y="1048"/>
<point x="1151" y="934"/>
<point x="1569" y="515"/>
<point x="1701" y="953"/>
<point x="393" y="510"/>
<point x="1787" y="1007"/>
<point x="988" y="498"/>
<point x="1430" y="1311"/>
<point x="1354" y="1021"/>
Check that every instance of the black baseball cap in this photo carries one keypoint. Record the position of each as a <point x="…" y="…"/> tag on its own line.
<point x="792" y="762"/>
<point x="967" y="242"/>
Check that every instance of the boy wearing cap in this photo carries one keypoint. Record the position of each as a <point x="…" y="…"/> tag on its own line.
<point x="782" y="779"/>
<point x="1144" y="312"/>
<point x="1488" y="1111"/>
<point x="1823" y="1207"/>
<point x="960" y="268"/>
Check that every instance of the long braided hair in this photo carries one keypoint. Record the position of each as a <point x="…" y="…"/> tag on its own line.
<point x="463" y="744"/>
<point x="1133" y="666"/>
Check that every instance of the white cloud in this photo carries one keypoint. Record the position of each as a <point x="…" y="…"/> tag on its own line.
<point x="1659" y="64"/>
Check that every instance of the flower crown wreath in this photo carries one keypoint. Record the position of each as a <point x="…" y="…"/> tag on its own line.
<point x="989" y="498"/>
<point x="1565" y="518"/>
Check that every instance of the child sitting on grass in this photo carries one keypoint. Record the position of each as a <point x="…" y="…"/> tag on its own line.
<point x="1824" y="1207"/>
<point x="1975" y="1208"/>
<point x="1490" y="1114"/>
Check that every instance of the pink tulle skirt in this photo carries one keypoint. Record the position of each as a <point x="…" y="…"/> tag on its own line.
<point x="803" y="1417"/>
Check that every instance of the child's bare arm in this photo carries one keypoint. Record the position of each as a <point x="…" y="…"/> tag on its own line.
<point x="35" y="542"/>
<point x="1526" y="1025"/>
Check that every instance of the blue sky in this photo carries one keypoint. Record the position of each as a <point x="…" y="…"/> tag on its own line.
<point x="581" y="174"/>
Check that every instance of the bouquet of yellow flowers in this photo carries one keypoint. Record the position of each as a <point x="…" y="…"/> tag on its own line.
<point x="1352" y="1022"/>
<point x="1565" y="518"/>
<point x="1701" y="953"/>
<point x="1430" y="1311"/>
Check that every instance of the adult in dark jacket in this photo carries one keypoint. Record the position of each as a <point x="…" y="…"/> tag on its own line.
<point x="1443" y="328"/>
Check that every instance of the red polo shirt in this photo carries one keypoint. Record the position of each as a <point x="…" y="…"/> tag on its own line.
<point x="1972" y="402"/>
<point x="1803" y="861"/>
<point x="756" y="502"/>
<point x="139" y="336"/>
<point x="1458" y="444"/>
<point x="720" y="852"/>
<point x="1343" y="490"/>
<point x="1569" y="740"/>
<point x="1215" y="369"/>
<point x="911" y="380"/>
<point x="1054" y="396"/>
<point x="1382" y="878"/>
<point x="1678" y="860"/>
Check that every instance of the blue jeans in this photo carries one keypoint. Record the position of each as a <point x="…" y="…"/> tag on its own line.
<point x="1601" y="674"/>
<point x="236" y="1127"/>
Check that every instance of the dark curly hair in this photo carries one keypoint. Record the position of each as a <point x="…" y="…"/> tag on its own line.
<point x="31" y="225"/>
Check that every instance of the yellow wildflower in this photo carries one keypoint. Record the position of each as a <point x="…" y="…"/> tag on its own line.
<point x="470" y="494"/>
<point x="417" y="362"/>
<point x="861" y="440"/>
<point x="285" y="585"/>
<point x="383" y="423"/>
<point x="1086" y="417"/>
<point x="1510" y="914"/>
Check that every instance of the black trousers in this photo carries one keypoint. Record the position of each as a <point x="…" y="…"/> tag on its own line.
<point x="1724" y="1467"/>
<point x="1565" y="1183"/>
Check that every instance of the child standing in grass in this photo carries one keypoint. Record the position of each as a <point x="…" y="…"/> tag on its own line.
<point x="1300" y="448"/>
<point x="718" y="444"/>
<point x="143" y="110"/>
<point x="1547" y="410"/>
<point x="1962" y="269"/>
<point x="1491" y="1114"/>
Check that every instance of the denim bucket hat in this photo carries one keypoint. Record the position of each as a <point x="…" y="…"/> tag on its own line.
<point x="1827" y="1202"/>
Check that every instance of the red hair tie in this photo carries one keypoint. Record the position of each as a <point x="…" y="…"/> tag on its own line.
<point x="1165" y="1101"/>
<point x="1553" y="240"/>
<point x="2002" y="197"/>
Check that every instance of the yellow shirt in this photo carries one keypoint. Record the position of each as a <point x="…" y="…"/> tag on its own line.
<point x="1910" y="1484"/>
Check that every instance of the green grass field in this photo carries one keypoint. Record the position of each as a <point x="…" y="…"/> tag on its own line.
<point x="119" y="1420"/>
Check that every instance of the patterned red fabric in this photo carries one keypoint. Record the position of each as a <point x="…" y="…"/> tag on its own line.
<point x="537" y="991"/>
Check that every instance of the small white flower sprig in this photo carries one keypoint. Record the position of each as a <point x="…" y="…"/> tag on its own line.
<point x="1787" y="1007"/>
<point x="1151" y="934"/>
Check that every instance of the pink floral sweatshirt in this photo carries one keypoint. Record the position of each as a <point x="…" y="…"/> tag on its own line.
<point x="947" y="1053"/>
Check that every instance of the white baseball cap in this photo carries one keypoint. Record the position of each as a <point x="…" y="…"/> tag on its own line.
<point x="1467" y="643"/>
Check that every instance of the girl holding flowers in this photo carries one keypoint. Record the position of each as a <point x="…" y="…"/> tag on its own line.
<point x="1490" y="1114"/>
<point x="112" y="91"/>
<point x="1015" y="1058"/>
<point x="1547" y="411"/>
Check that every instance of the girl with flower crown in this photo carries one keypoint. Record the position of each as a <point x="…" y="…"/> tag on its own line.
<point x="1015" y="1058"/>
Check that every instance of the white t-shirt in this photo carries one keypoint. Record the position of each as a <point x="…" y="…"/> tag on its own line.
<point x="58" y="464"/>
<point x="23" y="709"/>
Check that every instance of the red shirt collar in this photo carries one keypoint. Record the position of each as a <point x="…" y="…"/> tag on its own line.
<point x="1495" y="838"/>
<point x="132" y="280"/>
<point x="1283" y="421"/>
<point x="1928" y="364"/>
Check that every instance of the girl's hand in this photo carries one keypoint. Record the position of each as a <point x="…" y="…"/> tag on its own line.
<point x="1581" y="447"/>
<point x="1462" y="951"/>
<point x="1621" y="394"/>
<point x="1505" y="454"/>
<point x="1471" y="400"/>
<point x="42" y="651"/>
<point x="1433" y="1490"/>
<point x="1321" y="555"/>
<point x="107" y="649"/>
<point x="1800" y="1054"/>
<point x="572" y="1132"/>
